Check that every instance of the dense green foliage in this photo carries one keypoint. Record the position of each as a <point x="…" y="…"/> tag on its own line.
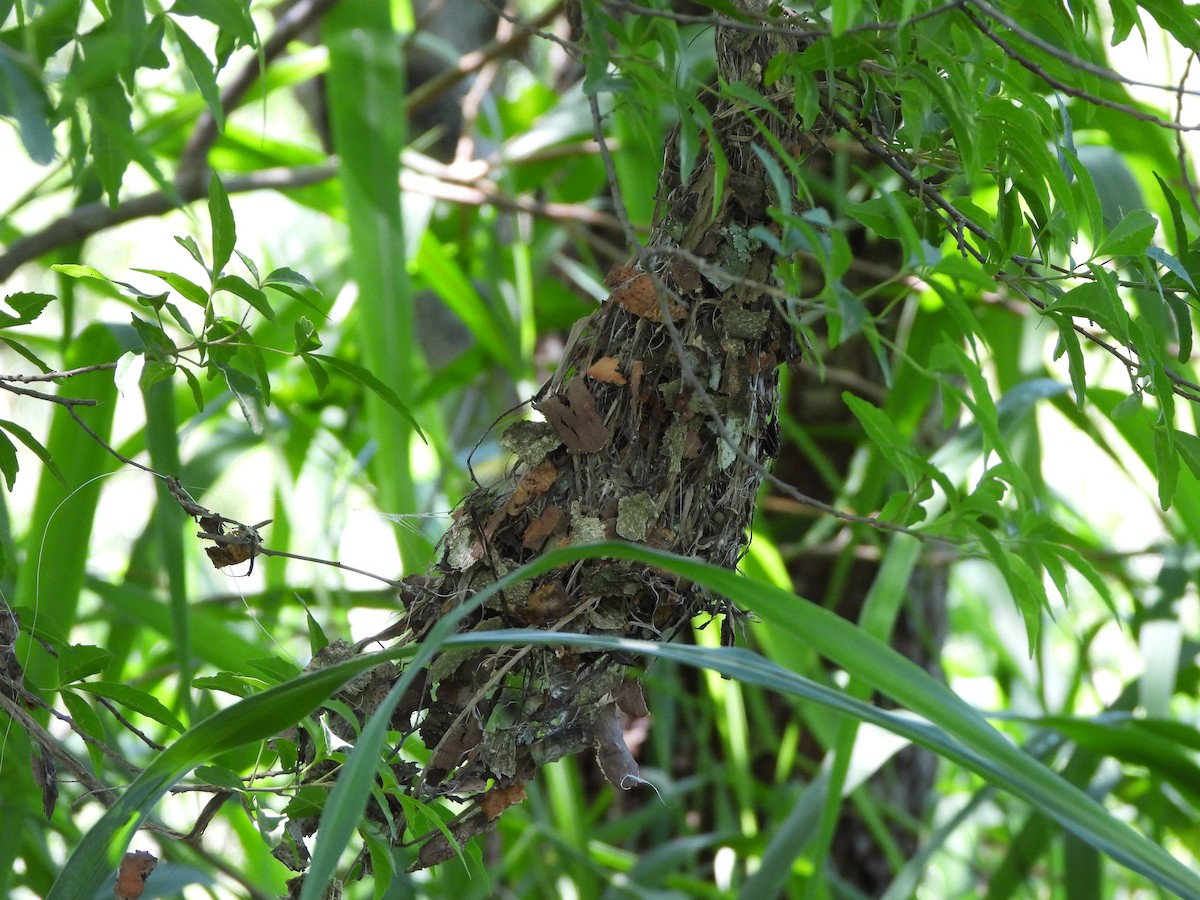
<point x="310" y="303"/>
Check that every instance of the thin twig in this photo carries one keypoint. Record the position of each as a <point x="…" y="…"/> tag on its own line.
<point x="1181" y="150"/>
<point x="800" y="29"/>
<point x="1181" y="386"/>
<point x="267" y="551"/>
<point x="68" y="402"/>
<point x="57" y="376"/>
<point x="1069" y="89"/>
<point x="472" y="62"/>
<point x="1062" y="55"/>
<point x="41" y="736"/>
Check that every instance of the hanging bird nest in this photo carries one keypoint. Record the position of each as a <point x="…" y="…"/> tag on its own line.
<point x="658" y="425"/>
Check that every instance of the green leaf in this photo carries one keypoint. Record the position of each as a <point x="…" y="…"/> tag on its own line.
<point x="1131" y="236"/>
<point x="235" y="284"/>
<point x="274" y="669"/>
<point x="111" y="137"/>
<point x="194" y="385"/>
<point x="250" y="267"/>
<point x="1098" y="301"/>
<point x="306" y="336"/>
<point x="133" y="698"/>
<point x="317" y="641"/>
<point x="77" y="271"/>
<point x="88" y="721"/>
<point x="1175" y="18"/>
<point x="202" y="72"/>
<point x="248" y="395"/>
<point x="78" y="661"/>
<point x="23" y="98"/>
<point x="220" y="776"/>
<point x="290" y="277"/>
<point x="186" y="288"/>
<point x="23" y="435"/>
<point x="319" y="376"/>
<point x="188" y="243"/>
<point x="27" y="354"/>
<point x="8" y="461"/>
<point x="224" y="230"/>
<point x="365" y="378"/>
<point x="228" y="682"/>
<point x="1188" y="446"/>
<point x="229" y="15"/>
<point x="1068" y="342"/>
<point x="1180" y="229"/>
<point x="154" y="339"/>
<point x="28" y="305"/>
<point x="1166" y="466"/>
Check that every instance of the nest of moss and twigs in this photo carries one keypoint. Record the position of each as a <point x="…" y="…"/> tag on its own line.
<point x="657" y="428"/>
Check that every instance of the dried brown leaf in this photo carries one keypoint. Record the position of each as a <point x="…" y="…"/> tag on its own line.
<point x="131" y="877"/>
<point x="575" y="418"/>
<point x="605" y="369"/>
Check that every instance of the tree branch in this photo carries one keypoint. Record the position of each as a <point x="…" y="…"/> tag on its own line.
<point x="92" y="218"/>
<point x="193" y="161"/>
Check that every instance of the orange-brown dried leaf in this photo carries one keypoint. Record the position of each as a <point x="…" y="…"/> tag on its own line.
<point x="228" y="554"/>
<point x="542" y="527"/>
<point x="639" y="296"/>
<point x="535" y="482"/>
<point x="498" y="799"/>
<point x="605" y="369"/>
<point x="546" y="602"/>
<point x="619" y="275"/>
<point x="131" y="877"/>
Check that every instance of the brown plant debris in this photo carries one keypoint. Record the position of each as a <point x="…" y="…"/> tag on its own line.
<point x="135" y="868"/>
<point x="659" y="421"/>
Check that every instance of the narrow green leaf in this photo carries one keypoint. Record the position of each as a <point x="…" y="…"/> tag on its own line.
<point x="365" y="378"/>
<point x="22" y="434"/>
<point x="1096" y="301"/>
<point x="188" y="243"/>
<point x="1131" y="236"/>
<point x="1166" y="466"/>
<point x="25" y="353"/>
<point x="1188" y="446"/>
<point x="221" y="777"/>
<point x="88" y="721"/>
<point x="230" y="16"/>
<point x="237" y="685"/>
<point x="133" y="698"/>
<point x="78" y="661"/>
<point x="111" y="137"/>
<point x="290" y="277"/>
<point x="317" y="641"/>
<point x="9" y="466"/>
<point x="185" y="287"/>
<point x="319" y="376"/>
<point x="77" y="271"/>
<point x="235" y="284"/>
<point x="23" y="98"/>
<point x="28" y="306"/>
<point x="306" y="336"/>
<point x="224" y="231"/>
<point x="202" y="72"/>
